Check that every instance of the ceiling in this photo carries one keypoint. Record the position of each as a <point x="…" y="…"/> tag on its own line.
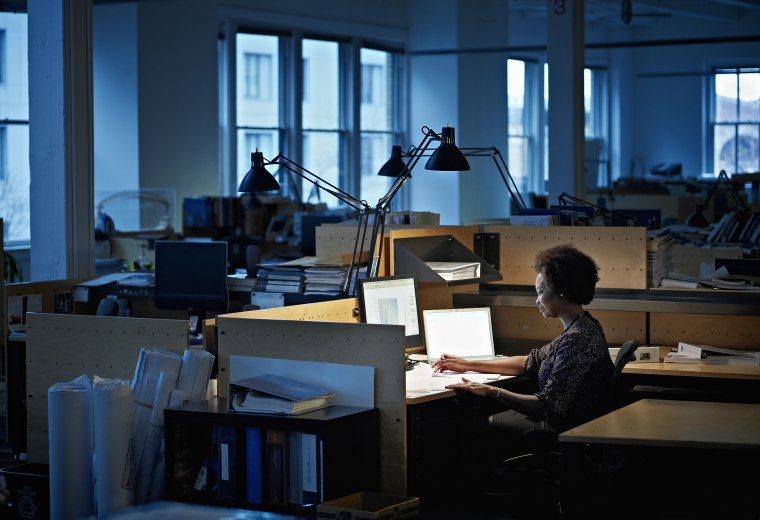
<point x="646" y="12"/>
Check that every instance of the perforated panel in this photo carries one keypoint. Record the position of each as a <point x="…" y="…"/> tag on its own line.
<point x="61" y="347"/>
<point x="739" y="332"/>
<point x="620" y="252"/>
<point x="378" y="346"/>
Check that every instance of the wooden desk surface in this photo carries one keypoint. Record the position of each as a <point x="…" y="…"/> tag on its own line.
<point x="683" y="424"/>
<point x="693" y="369"/>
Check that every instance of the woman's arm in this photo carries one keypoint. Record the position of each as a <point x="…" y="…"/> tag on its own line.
<point x="509" y="366"/>
<point x="527" y="404"/>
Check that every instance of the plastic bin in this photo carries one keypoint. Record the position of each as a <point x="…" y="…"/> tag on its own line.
<point x="29" y="487"/>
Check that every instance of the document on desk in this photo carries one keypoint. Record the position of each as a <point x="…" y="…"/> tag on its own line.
<point x="437" y="382"/>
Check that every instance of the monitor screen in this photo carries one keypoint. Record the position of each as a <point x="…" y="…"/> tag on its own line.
<point x="392" y="300"/>
<point x="191" y="276"/>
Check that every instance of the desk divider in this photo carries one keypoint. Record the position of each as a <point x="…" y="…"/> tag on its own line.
<point x="727" y="331"/>
<point x="61" y="347"/>
<point x="378" y="346"/>
<point x="620" y="252"/>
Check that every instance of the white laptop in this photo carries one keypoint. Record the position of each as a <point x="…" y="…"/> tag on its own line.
<point x="464" y="332"/>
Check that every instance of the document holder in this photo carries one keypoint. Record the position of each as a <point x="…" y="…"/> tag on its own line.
<point x="410" y="255"/>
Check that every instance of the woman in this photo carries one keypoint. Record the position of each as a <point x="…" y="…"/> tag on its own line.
<point x="573" y="372"/>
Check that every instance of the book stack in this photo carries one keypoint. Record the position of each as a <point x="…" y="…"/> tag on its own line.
<point x="450" y="271"/>
<point x="709" y="355"/>
<point x="279" y="278"/>
<point x="659" y="258"/>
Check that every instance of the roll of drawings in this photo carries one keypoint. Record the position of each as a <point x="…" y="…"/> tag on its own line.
<point x="195" y="373"/>
<point x="70" y="445"/>
<point x="151" y="455"/>
<point x="151" y="363"/>
<point x="114" y="482"/>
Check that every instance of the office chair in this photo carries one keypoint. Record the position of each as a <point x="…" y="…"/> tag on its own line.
<point x="107" y="307"/>
<point x="532" y="478"/>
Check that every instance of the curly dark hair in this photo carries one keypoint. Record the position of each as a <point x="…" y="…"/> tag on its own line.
<point x="568" y="272"/>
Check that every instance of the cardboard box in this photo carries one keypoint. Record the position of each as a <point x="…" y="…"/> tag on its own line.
<point x="366" y="506"/>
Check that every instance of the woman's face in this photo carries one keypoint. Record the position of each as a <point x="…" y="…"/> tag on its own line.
<point x="547" y="303"/>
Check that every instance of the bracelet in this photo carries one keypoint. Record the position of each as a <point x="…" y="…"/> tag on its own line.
<point x="498" y="393"/>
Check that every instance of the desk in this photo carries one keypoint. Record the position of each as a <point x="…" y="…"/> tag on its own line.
<point x="448" y="438"/>
<point x="740" y="383"/>
<point x="697" y="454"/>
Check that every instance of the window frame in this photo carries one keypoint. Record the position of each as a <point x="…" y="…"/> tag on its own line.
<point x="290" y="128"/>
<point x="711" y="123"/>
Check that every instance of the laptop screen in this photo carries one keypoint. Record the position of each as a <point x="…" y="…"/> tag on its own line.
<point x="462" y="332"/>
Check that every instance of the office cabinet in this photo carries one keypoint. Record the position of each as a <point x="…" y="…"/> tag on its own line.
<point x="285" y="463"/>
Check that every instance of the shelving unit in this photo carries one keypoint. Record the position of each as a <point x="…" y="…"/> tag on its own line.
<point x="269" y="462"/>
<point x="410" y="255"/>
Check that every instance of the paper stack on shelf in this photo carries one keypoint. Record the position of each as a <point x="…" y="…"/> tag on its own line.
<point x="325" y="279"/>
<point x="271" y="393"/>
<point x="280" y="278"/>
<point x="709" y="355"/>
<point x="659" y="259"/>
<point x="455" y="270"/>
<point x="719" y="279"/>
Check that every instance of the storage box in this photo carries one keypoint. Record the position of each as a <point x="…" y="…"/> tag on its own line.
<point x="375" y="506"/>
<point x="29" y="488"/>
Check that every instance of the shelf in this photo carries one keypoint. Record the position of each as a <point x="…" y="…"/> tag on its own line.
<point x="410" y="255"/>
<point x="281" y="463"/>
<point x="708" y="301"/>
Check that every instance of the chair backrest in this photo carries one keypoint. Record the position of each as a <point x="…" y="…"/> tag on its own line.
<point x="626" y="354"/>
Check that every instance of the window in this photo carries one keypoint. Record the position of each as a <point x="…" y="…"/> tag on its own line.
<point x="523" y="129"/>
<point x="735" y="120"/>
<point x="14" y="128"/>
<point x="258" y="100"/>
<point x="323" y="128"/>
<point x="379" y="130"/>
<point x="521" y="141"/>
<point x="305" y="112"/>
<point x="258" y="76"/>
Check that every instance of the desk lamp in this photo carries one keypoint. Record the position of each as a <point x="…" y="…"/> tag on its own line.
<point x="259" y="179"/>
<point x="697" y="218"/>
<point x="395" y="165"/>
<point x="447" y="157"/>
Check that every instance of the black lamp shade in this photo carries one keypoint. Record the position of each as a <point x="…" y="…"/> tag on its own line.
<point x="447" y="157"/>
<point x="393" y="166"/>
<point x="697" y="219"/>
<point x="258" y="178"/>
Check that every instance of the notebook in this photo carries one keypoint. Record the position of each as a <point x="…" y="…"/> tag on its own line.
<point x="462" y="332"/>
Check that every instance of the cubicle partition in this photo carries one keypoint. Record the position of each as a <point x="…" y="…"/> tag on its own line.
<point x="620" y="252"/>
<point x="63" y="347"/>
<point x="259" y="334"/>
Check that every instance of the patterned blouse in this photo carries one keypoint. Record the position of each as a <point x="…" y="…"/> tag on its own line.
<point x="574" y="373"/>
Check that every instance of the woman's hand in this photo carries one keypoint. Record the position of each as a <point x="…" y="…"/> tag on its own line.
<point x="472" y="387"/>
<point x="452" y="363"/>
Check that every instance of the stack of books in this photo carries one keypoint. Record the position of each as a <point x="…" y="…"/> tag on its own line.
<point x="279" y="278"/>
<point x="659" y="258"/>
<point x="325" y="279"/>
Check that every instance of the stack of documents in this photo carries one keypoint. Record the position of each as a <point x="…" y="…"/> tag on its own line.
<point x="659" y="258"/>
<point x="455" y="270"/>
<point x="708" y="355"/>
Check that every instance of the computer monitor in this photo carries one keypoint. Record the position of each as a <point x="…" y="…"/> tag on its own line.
<point x="191" y="276"/>
<point x="392" y="300"/>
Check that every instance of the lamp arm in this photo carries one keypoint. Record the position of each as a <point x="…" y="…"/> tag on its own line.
<point x="501" y="166"/>
<point x="348" y="199"/>
<point x="378" y="226"/>
<point x="414" y="157"/>
<point x="723" y="176"/>
<point x="319" y="182"/>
